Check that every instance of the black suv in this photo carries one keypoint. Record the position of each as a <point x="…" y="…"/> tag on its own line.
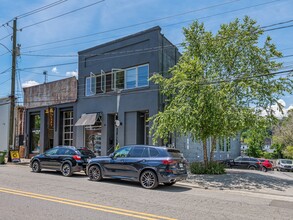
<point x="148" y="165"/>
<point x="66" y="159"/>
<point x="243" y="162"/>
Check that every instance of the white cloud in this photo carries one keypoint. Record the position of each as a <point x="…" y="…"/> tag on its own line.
<point x="72" y="73"/>
<point x="276" y="110"/>
<point x="55" y="70"/>
<point x="29" y="83"/>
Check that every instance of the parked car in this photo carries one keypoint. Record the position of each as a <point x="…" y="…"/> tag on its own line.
<point x="66" y="159"/>
<point x="284" y="165"/>
<point x="266" y="164"/>
<point x="87" y="152"/>
<point x="149" y="165"/>
<point x="243" y="162"/>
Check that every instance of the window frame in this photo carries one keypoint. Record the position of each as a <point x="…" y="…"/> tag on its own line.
<point x="136" y="76"/>
<point x="89" y="81"/>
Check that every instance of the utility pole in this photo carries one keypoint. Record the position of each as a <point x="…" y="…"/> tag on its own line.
<point x="12" y="95"/>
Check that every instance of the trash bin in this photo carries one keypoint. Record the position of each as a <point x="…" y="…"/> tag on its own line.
<point x="2" y="157"/>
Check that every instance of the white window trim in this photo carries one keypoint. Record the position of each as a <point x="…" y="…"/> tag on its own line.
<point x="136" y="74"/>
<point x="70" y="125"/>
<point x="88" y="81"/>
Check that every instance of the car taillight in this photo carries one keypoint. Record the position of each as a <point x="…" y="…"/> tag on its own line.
<point x="168" y="162"/>
<point x="76" y="157"/>
<point x="258" y="162"/>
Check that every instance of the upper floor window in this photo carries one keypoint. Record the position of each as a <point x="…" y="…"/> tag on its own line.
<point x="137" y="77"/>
<point x="90" y="86"/>
<point x="130" y="78"/>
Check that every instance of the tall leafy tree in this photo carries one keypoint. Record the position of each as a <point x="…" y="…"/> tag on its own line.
<point x="220" y="84"/>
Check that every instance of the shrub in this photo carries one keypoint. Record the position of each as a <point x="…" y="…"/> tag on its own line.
<point x="212" y="168"/>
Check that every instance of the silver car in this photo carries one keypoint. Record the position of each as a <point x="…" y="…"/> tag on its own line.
<point x="284" y="165"/>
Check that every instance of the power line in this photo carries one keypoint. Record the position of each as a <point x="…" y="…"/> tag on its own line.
<point x="61" y="15"/>
<point x="4" y="71"/>
<point x="4" y="82"/>
<point x="138" y="24"/>
<point x="156" y="89"/>
<point x="84" y="36"/>
<point x="278" y="28"/>
<point x="41" y="9"/>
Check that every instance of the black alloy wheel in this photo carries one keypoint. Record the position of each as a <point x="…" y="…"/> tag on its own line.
<point x="66" y="170"/>
<point x="149" y="180"/>
<point x="95" y="173"/>
<point x="36" y="167"/>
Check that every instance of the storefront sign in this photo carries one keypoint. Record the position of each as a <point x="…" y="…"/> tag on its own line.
<point x="14" y="156"/>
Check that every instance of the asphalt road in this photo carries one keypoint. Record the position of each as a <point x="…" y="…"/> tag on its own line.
<point x="49" y="195"/>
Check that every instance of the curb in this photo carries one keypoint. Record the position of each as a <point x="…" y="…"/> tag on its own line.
<point x="231" y="190"/>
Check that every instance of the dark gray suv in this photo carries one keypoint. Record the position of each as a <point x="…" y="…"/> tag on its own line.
<point x="149" y="165"/>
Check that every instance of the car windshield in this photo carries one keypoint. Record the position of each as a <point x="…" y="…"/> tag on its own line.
<point x="286" y="161"/>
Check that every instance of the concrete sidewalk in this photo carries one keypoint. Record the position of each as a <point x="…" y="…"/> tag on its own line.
<point x="272" y="182"/>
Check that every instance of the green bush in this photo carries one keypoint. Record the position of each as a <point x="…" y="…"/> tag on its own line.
<point x="212" y="168"/>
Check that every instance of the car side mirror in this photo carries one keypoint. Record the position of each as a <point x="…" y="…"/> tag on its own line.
<point x="111" y="155"/>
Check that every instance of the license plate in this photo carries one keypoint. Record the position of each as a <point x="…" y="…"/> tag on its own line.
<point x="181" y="165"/>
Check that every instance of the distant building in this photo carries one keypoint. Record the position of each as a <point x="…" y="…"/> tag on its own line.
<point x="4" y="123"/>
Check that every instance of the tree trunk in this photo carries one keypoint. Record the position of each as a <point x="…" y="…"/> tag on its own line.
<point x="213" y="148"/>
<point x="205" y="152"/>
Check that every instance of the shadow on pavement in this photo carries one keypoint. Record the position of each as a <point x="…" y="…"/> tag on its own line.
<point x="161" y="187"/>
<point x="242" y="180"/>
<point x="58" y="173"/>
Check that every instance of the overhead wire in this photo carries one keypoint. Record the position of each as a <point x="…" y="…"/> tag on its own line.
<point x="61" y="15"/>
<point x="134" y="25"/>
<point x="156" y="89"/>
<point x="158" y="19"/>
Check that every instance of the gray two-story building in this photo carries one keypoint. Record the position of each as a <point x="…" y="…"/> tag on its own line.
<point x="115" y="96"/>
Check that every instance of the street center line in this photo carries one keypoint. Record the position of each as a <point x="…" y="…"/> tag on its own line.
<point x="110" y="209"/>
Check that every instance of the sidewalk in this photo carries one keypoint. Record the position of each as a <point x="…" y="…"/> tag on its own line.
<point x="272" y="182"/>
<point x="23" y="161"/>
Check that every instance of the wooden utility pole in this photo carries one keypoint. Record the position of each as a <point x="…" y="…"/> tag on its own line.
<point x="12" y="95"/>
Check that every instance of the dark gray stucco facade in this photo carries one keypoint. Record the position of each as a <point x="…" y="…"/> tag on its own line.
<point x="130" y="107"/>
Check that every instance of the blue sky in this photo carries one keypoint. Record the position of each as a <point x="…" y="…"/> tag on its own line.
<point x="103" y="18"/>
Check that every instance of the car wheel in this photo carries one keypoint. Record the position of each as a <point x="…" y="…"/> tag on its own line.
<point x="66" y="170"/>
<point x="252" y="168"/>
<point x="149" y="180"/>
<point x="169" y="184"/>
<point x="95" y="173"/>
<point x="36" y="167"/>
<point x="264" y="169"/>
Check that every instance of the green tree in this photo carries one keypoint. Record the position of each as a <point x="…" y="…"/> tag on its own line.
<point x="217" y="81"/>
<point x="283" y="132"/>
<point x="255" y="137"/>
<point x="288" y="152"/>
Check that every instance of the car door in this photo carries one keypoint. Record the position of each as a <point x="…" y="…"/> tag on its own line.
<point x="47" y="161"/>
<point x="236" y="163"/>
<point x="245" y="162"/>
<point x="135" y="161"/>
<point x="116" y="165"/>
<point x="62" y="153"/>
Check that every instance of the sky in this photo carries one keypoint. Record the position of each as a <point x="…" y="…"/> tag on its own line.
<point x="73" y="25"/>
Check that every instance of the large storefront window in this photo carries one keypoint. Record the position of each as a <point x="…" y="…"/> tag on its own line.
<point x="35" y="126"/>
<point x="93" y="137"/>
<point x="67" y="133"/>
